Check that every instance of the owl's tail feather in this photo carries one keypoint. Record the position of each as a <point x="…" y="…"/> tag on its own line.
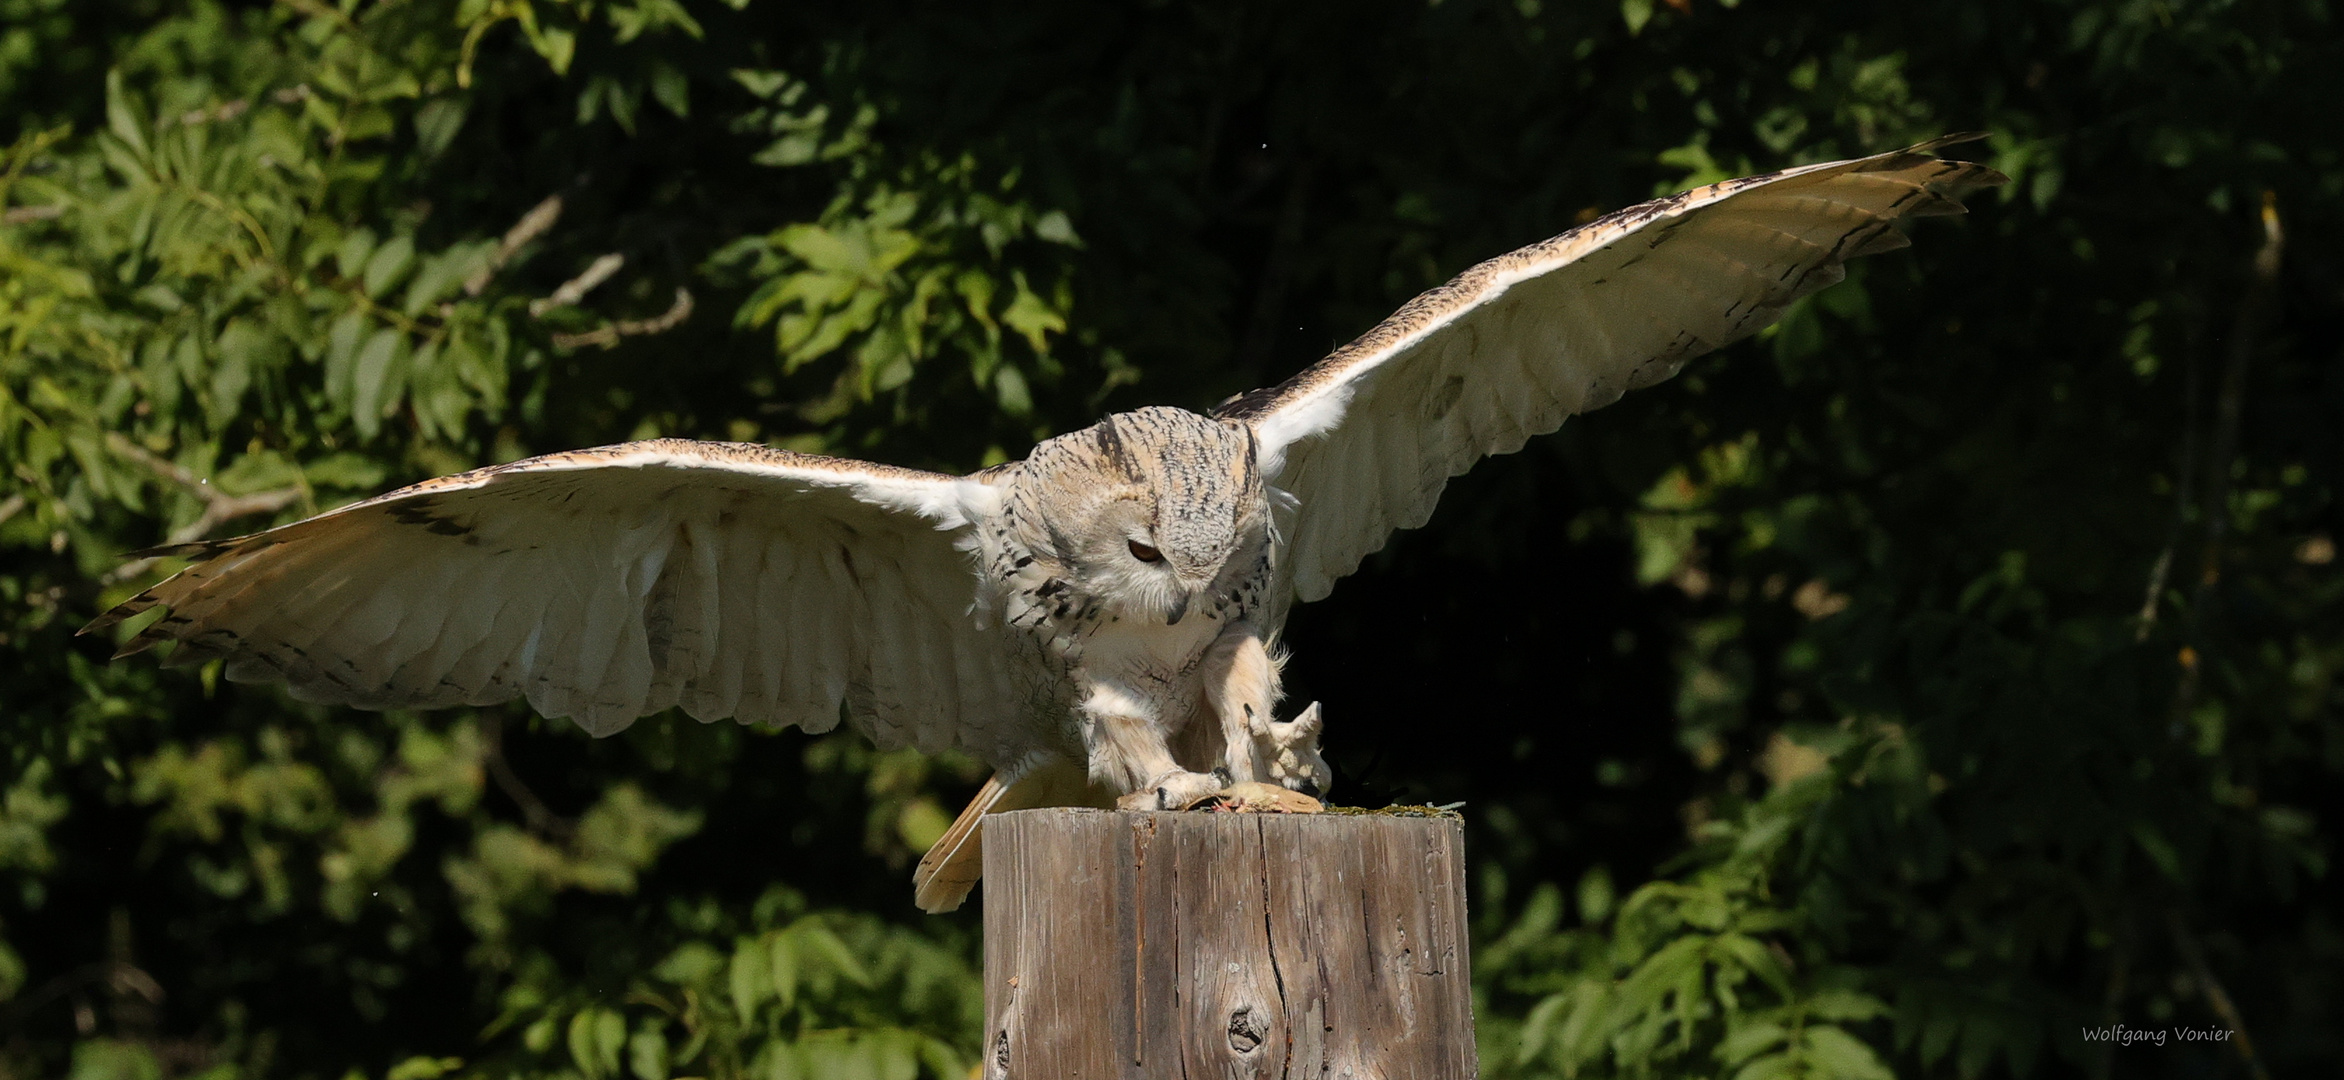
<point x="954" y="863"/>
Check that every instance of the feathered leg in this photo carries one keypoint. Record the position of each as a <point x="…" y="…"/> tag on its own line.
<point x="1129" y="751"/>
<point x="1241" y="680"/>
<point x="1241" y="686"/>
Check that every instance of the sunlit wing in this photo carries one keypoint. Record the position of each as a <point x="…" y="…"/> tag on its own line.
<point x="604" y="585"/>
<point x="1366" y="439"/>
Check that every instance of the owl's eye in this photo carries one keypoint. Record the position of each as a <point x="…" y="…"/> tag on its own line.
<point x="1145" y="554"/>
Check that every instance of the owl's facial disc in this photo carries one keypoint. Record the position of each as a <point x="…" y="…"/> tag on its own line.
<point x="1137" y="568"/>
<point x="1182" y="589"/>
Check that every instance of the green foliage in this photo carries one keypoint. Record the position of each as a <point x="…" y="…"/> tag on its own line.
<point x="797" y="994"/>
<point x="1950" y="670"/>
<point x="1688" y="974"/>
<point x="905" y="282"/>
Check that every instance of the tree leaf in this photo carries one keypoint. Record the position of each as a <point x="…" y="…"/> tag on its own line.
<point x="377" y="376"/>
<point x="388" y="265"/>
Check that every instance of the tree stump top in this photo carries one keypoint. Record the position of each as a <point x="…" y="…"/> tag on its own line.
<point x="1216" y="944"/>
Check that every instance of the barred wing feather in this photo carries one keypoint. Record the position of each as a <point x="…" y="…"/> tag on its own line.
<point x="1366" y="439"/>
<point x="608" y="584"/>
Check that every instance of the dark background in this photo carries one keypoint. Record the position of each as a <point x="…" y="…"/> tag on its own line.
<point x="1834" y="647"/>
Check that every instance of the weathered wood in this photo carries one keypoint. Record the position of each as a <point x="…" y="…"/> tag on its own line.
<point x="1225" y="945"/>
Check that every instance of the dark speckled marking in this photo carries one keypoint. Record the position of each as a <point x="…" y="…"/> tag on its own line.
<point x="420" y="511"/>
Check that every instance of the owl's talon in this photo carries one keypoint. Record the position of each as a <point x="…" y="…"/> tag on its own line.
<point x="1292" y="754"/>
<point x="1172" y="791"/>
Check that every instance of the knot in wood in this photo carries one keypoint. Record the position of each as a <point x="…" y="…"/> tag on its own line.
<point x="1245" y="1030"/>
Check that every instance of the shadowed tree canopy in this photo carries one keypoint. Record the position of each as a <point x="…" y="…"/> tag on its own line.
<point x="1944" y="683"/>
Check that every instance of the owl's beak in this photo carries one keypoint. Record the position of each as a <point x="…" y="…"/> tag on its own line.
<point x="1179" y="608"/>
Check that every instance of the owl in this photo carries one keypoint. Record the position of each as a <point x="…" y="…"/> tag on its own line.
<point x="1098" y="622"/>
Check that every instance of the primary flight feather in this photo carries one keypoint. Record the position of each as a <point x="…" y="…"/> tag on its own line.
<point x="1094" y="621"/>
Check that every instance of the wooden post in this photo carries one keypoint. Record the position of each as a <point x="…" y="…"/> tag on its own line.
<point x="1152" y="945"/>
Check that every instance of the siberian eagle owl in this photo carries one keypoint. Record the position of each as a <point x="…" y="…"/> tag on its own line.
<point x="1097" y="621"/>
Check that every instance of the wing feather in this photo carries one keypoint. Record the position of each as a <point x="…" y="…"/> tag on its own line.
<point x="302" y="636"/>
<point x="474" y="604"/>
<point x="738" y="559"/>
<point x="611" y="644"/>
<point x="603" y="585"/>
<point x="783" y="631"/>
<point x="305" y="574"/>
<point x="892" y="646"/>
<point x="553" y="687"/>
<point x="1367" y="438"/>
<point x="418" y="634"/>
<point x="837" y="673"/>
<point x="696" y="628"/>
<point x="500" y="650"/>
<point x="795" y="635"/>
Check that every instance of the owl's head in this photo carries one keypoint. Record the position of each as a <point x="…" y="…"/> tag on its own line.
<point x="1179" y="522"/>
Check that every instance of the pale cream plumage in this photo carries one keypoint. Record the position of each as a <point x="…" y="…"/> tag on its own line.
<point x="1370" y="435"/>
<point x="1108" y="602"/>
<point x="733" y="580"/>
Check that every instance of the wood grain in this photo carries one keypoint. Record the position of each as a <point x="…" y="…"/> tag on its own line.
<point x="1225" y="945"/>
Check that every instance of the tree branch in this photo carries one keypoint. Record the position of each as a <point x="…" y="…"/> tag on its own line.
<point x="219" y="507"/>
<point x="2195" y="958"/>
<point x="531" y="226"/>
<point x="214" y="114"/>
<point x="534" y="812"/>
<point x="2253" y="311"/>
<point x="117" y="976"/>
<point x="2229" y="406"/>
<point x="608" y="336"/>
<point x="576" y="288"/>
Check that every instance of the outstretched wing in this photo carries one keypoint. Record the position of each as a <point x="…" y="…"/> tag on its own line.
<point x="1367" y="438"/>
<point x="603" y="585"/>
